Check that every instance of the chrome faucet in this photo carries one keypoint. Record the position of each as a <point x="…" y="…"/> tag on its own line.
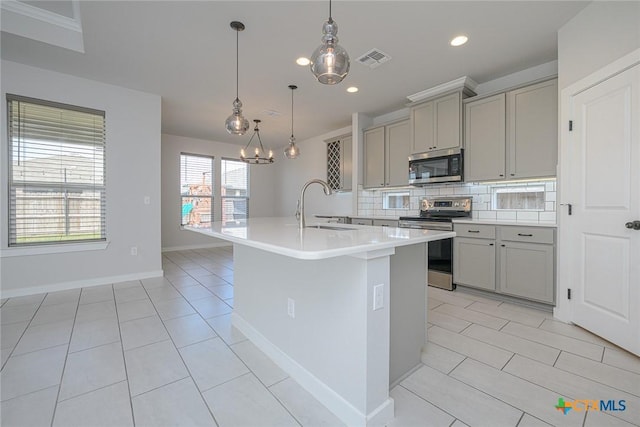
<point x="300" y="207"/>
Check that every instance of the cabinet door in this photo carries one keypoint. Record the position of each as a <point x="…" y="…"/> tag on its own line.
<point x="484" y="140"/>
<point x="474" y="262"/>
<point x="447" y="112"/>
<point x="527" y="270"/>
<point x="422" y="128"/>
<point x="533" y="130"/>
<point x="374" y="158"/>
<point x="398" y="150"/>
<point x="346" y="166"/>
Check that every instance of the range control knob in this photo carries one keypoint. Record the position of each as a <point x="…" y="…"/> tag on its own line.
<point x="456" y="204"/>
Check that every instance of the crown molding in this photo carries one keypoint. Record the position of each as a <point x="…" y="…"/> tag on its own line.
<point x="39" y="24"/>
<point x="462" y="83"/>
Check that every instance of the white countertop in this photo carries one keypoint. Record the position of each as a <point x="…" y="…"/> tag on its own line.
<point x="507" y="222"/>
<point x="282" y="236"/>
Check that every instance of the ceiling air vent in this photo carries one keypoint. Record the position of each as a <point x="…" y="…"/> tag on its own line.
<point x="374" y="58"/>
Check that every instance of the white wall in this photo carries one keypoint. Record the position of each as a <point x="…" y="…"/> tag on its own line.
<point x="133" y="172"/>
<point x="262" y="188"/>
<point x="312" y="163"/>
<point x="601" y="33"/>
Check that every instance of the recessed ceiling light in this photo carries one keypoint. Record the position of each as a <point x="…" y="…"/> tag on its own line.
<point x="459" y="40"/>
<point x="352" y="89"/>
<point x="303" y="61"/>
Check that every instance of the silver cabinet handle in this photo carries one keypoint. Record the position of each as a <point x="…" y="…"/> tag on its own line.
<point x="633" y="225"/>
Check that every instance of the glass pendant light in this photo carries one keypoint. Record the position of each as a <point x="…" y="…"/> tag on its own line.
<point x="292" y="151"/>
<point x="260" y="157"/>
<point x="236" y="124"/>
<point x="330" y="62"/>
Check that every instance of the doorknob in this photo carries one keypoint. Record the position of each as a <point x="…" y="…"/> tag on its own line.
<point x="635" y="225"/>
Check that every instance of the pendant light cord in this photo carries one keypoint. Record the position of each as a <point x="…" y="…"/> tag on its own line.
<point x="330" y="19"/>
<point x="237" y="60"/>
<point x="292" y="112"/>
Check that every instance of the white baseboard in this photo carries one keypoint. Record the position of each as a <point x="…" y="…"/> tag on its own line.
<point x="190" y="247"/>
<point x="344" y="410"/>
<point x="63" y="286"/>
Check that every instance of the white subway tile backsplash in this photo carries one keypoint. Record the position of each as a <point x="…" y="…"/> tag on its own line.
<point x="487" y="215"/>
<point x="547" y="216"/>
<point x="527" y="216"/>
<point x="370" y="201"/>
<point x="506" y="215"/>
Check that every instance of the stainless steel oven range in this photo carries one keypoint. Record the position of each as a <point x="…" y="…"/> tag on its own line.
<point x="437" y="213"/>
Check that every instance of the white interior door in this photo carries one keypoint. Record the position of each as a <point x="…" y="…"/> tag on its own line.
<point x="604" y="190"/>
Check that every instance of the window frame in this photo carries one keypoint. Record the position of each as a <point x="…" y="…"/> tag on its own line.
<point x="44" y="245"/>
<point x="213" y="184"/>
<point x="246" y="198"/>
<point x="516" y="188"/>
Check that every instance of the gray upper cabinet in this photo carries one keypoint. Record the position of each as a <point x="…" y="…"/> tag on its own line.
<point x="374" y="151"/>
<point x="436" y="125"/>
<point x="339" y="163"/>
<point x="398" y="136"/>
<point x="485" y="139"/>
<point x="512" y="135"/>
<point x="532" y="130"/>
<point x="386" y="152"/>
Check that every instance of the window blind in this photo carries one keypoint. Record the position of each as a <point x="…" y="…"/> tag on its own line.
<point x="196" y="185"/>
<point x="234" y="190"/>
<point x="56" y="172"/>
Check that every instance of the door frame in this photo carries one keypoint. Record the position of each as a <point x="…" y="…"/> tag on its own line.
<point x="564" y="276"/>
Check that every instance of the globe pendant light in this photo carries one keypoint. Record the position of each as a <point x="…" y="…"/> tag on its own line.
<point x="292" y="151"/>
<point x="260" y="157"/>
<point x="330" y="62"/>
<point x="236" y="124"/>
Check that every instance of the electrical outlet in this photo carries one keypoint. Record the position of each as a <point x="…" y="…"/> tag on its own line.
<point x="134" y="250"/>
<point x="291" y="308"/>
<point x="378" y="296"/>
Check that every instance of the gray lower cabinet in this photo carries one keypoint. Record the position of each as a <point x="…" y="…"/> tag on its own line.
<point x="474" y="262"/>
<point x="526" y="270"/>
<point x="523" y="266"/>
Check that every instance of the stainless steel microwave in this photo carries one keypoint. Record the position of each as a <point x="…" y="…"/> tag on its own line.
<point x="436" y="166"/>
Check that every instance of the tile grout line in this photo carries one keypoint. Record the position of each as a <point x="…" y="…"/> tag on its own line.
<point x="66" y="358"/>
<point x="182" y="359"/>
<point x="247" y="366"/>
<point x="23" y="332"/>
<point x="431" y="403"/>
<point x="124" y="360"/>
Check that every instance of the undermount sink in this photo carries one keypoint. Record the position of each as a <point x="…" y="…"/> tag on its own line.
<point x="330" y="227"/>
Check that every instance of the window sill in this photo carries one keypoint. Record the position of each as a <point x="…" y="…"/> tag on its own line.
<point x="53" y="249"/>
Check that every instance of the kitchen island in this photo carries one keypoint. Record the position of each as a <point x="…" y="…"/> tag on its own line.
<point x="340" y="308"/>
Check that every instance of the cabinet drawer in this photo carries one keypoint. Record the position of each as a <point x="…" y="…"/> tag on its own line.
<point x="472" y="230"/>
<point x="527" y="234"/>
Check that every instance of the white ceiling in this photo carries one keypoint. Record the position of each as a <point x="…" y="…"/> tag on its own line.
<point x="185" y="52"/>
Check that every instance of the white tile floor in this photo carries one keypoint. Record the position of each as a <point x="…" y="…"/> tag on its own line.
<point x="162" y="352"/>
